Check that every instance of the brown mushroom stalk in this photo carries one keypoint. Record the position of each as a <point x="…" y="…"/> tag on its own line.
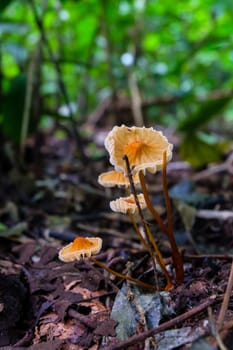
<point x="177" y="258"/>
<point x="135" y="226"/>
<point x="120" y="275"/>
<point x="154" y="254"/>
<point x="150" y="205"/>
<point x="159" y="258"/>
<point x="168" y="230"/>
<point x="150" y="239"/>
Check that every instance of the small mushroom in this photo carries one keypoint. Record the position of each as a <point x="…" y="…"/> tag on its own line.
<point x="81" y="247"/>
<point x="116" y="178"/>
<point x="127" y="204"/>
<point x="86" y="246"/>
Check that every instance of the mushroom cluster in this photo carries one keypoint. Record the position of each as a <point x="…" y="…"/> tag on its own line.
<point x="134" y="151"/>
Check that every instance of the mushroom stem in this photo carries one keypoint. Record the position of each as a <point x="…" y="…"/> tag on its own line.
<point x="133" y="191"/>
<point x="150" y="239"/>
<point x="156" y="253"/>
<point x="150" y="205"/>
<point x="159" y="258"/>
<point x="120" y="275"/>
<point x="142" y="239"/>
<point x="176" y="256"/>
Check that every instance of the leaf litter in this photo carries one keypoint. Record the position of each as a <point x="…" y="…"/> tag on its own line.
<point x="46" y="304"/>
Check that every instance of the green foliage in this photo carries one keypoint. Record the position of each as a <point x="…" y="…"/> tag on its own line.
<point x="204" y="114"/>
<point x="198" y="151"/>
<point x="13" y="231"/>
<point x="4" y="4"/>
<point x="12" y="108"/>
<point x="182" y="50"/>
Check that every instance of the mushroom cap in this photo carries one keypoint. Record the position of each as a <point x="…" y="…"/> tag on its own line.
<point x="128" y="204"/>
<point x="81" y="247"/>
<point x="116" y="178"/>
<point x="143" y="146"/>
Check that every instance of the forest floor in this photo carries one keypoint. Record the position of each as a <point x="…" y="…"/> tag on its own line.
<point x="48" y="304"/>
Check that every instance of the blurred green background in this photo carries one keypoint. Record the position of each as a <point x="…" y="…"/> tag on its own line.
<point x="159" y="62"/>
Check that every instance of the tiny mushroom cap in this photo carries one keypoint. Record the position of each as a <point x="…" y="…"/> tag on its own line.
<point x="127" y="204"/>
<point x="144" y="148"/>
<point x="81" y="247"/>
<point x="116" y="178"/>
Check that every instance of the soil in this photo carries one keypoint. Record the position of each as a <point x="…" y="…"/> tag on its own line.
<point x="52" y="197"/>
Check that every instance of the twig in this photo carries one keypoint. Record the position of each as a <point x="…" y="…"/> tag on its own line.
<point x="86" y="320"/>
<point x="209" y="256"/>
<point x="99" y="230"/>
<point x="164" y="326"/>
<point x="124" y="105"/>
<point x="214" y="169"/>
<point x="214" y="214"/>
<point x="224" y="331"/>
<point x="214" y="330"/>
<point x="226" y="299"/>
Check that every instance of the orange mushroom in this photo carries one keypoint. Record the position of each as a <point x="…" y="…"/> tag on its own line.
<point x="127" y="204"/>
<point x="133" y="151"/>
<point x="144" y="148"/>
<point x="81" y="247"/>
<point x="116" y="178"/>
<point x="86" y="246"/>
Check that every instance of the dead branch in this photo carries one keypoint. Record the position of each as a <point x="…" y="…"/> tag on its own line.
<point x="164" y="326"/>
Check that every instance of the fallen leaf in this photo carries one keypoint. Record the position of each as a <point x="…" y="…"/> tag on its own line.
<point x="126" y="311"/>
